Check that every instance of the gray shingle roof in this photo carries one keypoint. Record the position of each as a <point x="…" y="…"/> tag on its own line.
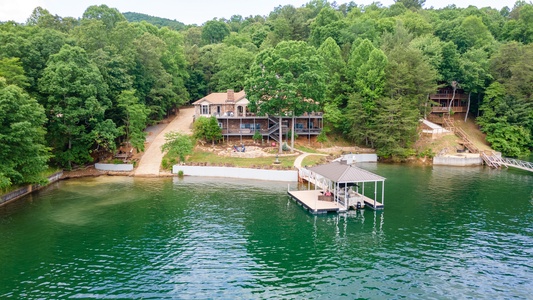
<point x="340" y="173"/>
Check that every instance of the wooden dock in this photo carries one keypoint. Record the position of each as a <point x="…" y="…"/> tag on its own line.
<point x="309" y="200"/>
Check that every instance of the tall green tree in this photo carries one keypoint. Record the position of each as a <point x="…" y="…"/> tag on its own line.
<point x="335" y="96"/>
<point x="11" y="70"/>
<point x="22" y="151"/>
<point x="232" y="66"/>
<point x="76" y="102"/>
<point x="214" y="31"/>
<point x="288" y="79"/>
<point x="366" y="73"/>
<point x="135" y="118"/>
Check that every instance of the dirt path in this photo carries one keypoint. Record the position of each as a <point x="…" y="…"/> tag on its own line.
<point x="151" y="160"/>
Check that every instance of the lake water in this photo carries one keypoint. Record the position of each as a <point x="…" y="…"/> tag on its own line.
<point x="445" y="233"/>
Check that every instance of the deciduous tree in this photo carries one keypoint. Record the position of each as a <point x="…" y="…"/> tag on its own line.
<point x="22" y="151"/>
<point x="288" y="79"/>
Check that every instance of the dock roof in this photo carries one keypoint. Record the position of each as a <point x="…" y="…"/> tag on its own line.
<point x="341" y="173"/>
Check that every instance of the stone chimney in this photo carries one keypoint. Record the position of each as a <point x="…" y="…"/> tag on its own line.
<point x="231" y="96"/>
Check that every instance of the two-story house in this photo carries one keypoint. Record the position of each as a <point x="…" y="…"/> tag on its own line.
<point x="235" y="119"/>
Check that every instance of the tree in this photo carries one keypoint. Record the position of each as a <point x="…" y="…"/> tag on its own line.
<point x="412" y="4"/>
<point x="475" y="73"/>
<point x="503" y="121"/>
<point x="410" y="76"/>
<point x="366" y="73"/>
<point x="214" y="31"/>
<point x="207" y="129"/>
<point x="472" y="34"/>
<point x="109" y="16"/>
<point x="232" y="66"/>
<point x="177" y="144"/>
<point x="288" y="79"/>
<point x="335" y="96"/>
<point x="23" y="152"/>
<point x="136" y="115"/>
<point x="76" y="103"/>
<point x="12" y="71"/>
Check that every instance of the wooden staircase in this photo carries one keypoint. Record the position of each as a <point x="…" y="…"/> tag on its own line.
<point x="450" y="125"/>
<point x="490" y="158"/>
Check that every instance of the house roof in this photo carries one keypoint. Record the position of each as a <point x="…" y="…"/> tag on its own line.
<point x="341" y="173"/>
<point x="220" y="98"/>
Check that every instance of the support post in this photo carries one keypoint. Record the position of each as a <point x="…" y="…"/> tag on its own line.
<point x="383" y="193"/>
<point x="375" y="193"/>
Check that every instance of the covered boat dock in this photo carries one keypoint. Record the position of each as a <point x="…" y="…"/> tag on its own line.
<point x="338" y="187"/>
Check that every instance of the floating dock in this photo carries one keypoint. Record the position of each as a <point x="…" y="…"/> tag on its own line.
<point x="346" y="184"/>
<point x="309" y="200"/>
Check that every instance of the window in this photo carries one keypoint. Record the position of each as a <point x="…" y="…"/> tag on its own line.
<point x="250" y="126"/>
<point x="205" y="109"/>
<point x="299" y="126"/>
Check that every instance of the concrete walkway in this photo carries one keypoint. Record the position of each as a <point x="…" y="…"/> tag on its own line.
<point x="150" y="162"/>
<point x="299" y="159"/>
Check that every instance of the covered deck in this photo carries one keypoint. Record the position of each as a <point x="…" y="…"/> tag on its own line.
<point x="346" y="183"/>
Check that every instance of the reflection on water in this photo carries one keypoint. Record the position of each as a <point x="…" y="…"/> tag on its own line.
<point x="449" y="233"/>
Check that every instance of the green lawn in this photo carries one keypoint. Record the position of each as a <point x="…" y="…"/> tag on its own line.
<point x="313" y="160"/>
<point x="214" y="159"/>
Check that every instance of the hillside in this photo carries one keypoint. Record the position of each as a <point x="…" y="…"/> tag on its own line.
<point x="157" y="21"/>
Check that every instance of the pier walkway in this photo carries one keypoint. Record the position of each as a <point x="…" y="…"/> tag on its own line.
<point x="493" y="160"/>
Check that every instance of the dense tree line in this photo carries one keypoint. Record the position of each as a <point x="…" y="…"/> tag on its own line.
<point x="380" y="63"/>
<point x="95" y="82"/>
<point x="99" y="80"/>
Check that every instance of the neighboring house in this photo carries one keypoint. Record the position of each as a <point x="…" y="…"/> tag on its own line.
<point x="235" y="119"/>
<point x="444" y="106"/>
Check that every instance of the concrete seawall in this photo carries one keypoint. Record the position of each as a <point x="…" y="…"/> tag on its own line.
<point x="459" y="161"/>
<point x="114" y="167"/>
<point x="231" y="172"/>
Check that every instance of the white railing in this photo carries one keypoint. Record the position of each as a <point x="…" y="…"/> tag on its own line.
<point x="520" y="164"/>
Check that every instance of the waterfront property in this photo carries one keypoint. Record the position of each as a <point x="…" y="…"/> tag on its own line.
<point x="338" y="187"/>
<point x="235" y="119"/>
<point x="446" y="102"/>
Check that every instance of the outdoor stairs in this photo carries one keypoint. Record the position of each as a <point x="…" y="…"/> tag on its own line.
<point x="449" y="125"/>
<point x="490" y="158"/>
<point x="273" y="130"/>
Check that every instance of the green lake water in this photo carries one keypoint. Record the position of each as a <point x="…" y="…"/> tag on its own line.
<point x="445" y="233"/>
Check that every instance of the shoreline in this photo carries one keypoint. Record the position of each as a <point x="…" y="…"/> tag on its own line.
<point x="91" y="171"/>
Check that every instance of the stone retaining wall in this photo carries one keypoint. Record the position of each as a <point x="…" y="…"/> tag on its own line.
<point x="231" y="172"/>
<point x="28" y="189"/>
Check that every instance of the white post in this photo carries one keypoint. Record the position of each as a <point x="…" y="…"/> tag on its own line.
<point x="383" y="193"/>
<point x="375" y="193"/>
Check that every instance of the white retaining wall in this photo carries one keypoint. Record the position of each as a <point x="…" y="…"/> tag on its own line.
<point x="114" y="167"/>
<point x="230" y="172"/>
<point x="357" y="158"/>
<point x="460" y="161"/>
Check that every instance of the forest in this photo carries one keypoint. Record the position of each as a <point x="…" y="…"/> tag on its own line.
<point x="71" y="89"/>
